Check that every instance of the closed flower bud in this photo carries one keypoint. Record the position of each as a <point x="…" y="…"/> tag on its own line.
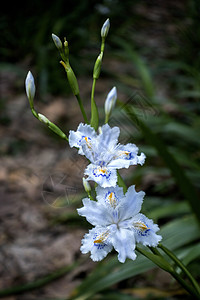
<point x="57" y="41"/>
<point x="105" y="28"/>
<point x="51" y="125"/>
<point x="72" y="81"/>
<point x="86" y="185"/>
<point x="43" y="119"/>
<point x="97" y="66"/>
<point x="30" y="88"/>
<point x="110" y="101"/>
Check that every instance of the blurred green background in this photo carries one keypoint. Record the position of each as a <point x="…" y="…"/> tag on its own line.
<point x="152" y="56"/>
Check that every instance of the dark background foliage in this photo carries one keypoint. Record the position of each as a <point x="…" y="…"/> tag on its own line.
<point x="152" y="56"/>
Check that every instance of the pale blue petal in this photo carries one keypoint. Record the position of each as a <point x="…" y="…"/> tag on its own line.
<point x="111" y="196"/>
<point x="108" y="138"/>
<point x="145" y="231"/>
<point x="105" y="177"/>
<point x="90" y="150"/>
<point x="131" y="204"/>
<point x="123" y="241"/>
<point x="98" y="250"/>
<point x="83" y="132"/>
<point x="125" y="156"/>
<point x="95" y="213"/>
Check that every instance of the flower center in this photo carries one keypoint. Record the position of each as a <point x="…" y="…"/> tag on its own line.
<point x="88" y="142"/>
<point x="101" y="238"/>
<point x="101" y="171"/>
<point x="125" y="155"/>
<point x="141" y="227"/>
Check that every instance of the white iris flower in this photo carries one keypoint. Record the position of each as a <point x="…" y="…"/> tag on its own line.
<point x="118" y="224"/>
<point x="104" y="153"/>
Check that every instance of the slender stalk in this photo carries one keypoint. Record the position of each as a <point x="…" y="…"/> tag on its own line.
<point x="168" y="268"/>
<point x="94" y="111"/>
<point x="102" y="44"/>
<point x="90" y="196"/>
<point x="50" y="125"/>
<point x="155" y="251"/>
<point x="182" y="267"/>
<point x="107" y="118"/>
<point x="93" y="89"/>
<point x="82" y="108"/>
<point x="185" y="285"/>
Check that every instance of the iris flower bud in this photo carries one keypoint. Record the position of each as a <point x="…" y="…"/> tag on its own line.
<point x="105" y="28"/>
<point x="57" y="41"/>
<point x="51" y="125"/>
<point x="86" y="185"/>
<point x="97" y="66"/>
<point x="30" y="88"/>
<point x="110" y="101"/>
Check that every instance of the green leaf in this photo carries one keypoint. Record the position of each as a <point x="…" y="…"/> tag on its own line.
<point x="172" y="209"/>
<point x="94" y="110"/>
<point x="180" y="232"/>
<point x="94" y="115"/>
<point x="188" y="254"/>
<point x="158" y="260"/>
<point x="141" y="67"/>
<point x="121" y="182"/>
<point x="184" y="183"/>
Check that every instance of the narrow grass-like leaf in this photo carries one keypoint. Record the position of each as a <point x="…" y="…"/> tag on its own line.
<point x="143" y="71"/>
<point x="190" y="253"/>
<point x="184" y="183"/>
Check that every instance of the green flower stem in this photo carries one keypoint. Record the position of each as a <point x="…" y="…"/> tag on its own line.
<point x="185" y="285"/>
<point x="182" y="267"/>
<point x="102" y="44"/>
<point x="96" y="72"/>
<point x="90" y="196"/>
<point x="82" y="108"/>
<point x="155" y="251"/>
<point x="74" y="87"/>
<point x="107" y="118"/>
<point x="34" y="112"/>
<point x="162" y="263"/>
<point x="51" y="126"/>
<point x="94" y="111"/>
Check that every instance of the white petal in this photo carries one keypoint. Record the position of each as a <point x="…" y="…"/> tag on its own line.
<point x="124" y="243"/>
<point x="95" y="213"/>
<point x="131" y="204"/>
<point x="105" y="177"/>
<point x="108" y="138"/>
<point x="84" y="132"/>
<point x="145" y="231"/>
<point x="110" y="101"/>
<point x="30" y="86"/>
<point x="98" y="250"/>
<point x="125" y="156"/>
<point x="105" y="28"/>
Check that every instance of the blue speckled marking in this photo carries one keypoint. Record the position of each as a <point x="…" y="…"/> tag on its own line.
<point x="83" y="136"/>
<point x="102" y="174"/>
<point x="107" y="195"/>
<point x="130" y="156"/>
<point x="143" y="232"/>
<point x="99" y="246"/>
